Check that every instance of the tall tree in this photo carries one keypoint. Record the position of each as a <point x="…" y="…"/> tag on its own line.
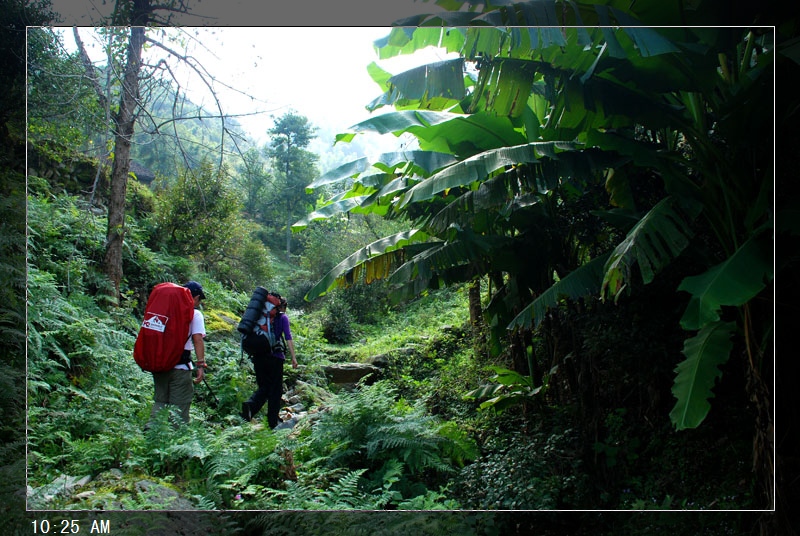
<point x="124" y="121"/>
<point x="133" y="17"/>
<point x="296" y="166"/>
<point x="252" y="179"/>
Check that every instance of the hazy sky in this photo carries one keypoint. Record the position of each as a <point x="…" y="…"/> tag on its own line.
<point x="319" y="72"/>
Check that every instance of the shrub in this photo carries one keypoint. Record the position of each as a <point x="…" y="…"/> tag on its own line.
<point x="540" y="470"/>
<point x="337" y="320"/>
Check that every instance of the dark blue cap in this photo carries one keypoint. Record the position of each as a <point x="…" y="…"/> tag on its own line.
<point x="196" y="288"/>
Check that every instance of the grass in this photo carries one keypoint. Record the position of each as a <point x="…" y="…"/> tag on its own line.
<point x="412" y="323"/>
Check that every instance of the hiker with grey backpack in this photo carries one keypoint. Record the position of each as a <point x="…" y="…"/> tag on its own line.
<point x="266" y="336"/>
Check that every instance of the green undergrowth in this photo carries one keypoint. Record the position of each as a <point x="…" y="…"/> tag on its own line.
<point x="376" y="447"/>
<point x="412" y="440"/>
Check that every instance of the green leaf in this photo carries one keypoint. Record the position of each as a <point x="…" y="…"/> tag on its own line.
<point x="379" y="75"/>
<point x="583" y="281"/>
<point x="480" y="167"/>
<point x="398" y="122"/>
<point x="733" y="282"/>
<point x="511" y="388"/>
<point x="325" y="212"/>
<point x="426" y="161"/>
<point x="446" y="132"/>
<point x="406" y="39"/>
<point x="382" y="246"/>
<point x="660" y="236"/>
<point x="435" y="86"/>
<point x="464" y="249"/>
<point x="507" y="87"/>
<point x="647" y="40"/>
<point x="696" y="376"/>
<point x="338" y="174"/>
<point x="509" y="377"/>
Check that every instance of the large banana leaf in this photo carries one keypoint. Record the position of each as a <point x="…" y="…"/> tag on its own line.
<point x="504" y="86"/>
<point x="427" y="161"/>
<point x="584" y="281"/>
<point x="408" y="38"/>
<point x="435" y="86"/>
<point x="696" y="376"/>
<point x="459" y="134"/>
<point x="379" y="247"/>
<point x="648" y="41"/>
<point x="331" y="209"/>
<point x="465" y="248"/>
<point x="480" y="167"/>
<point x="512" y="29"/>
<point x="399" y="122"/>
<point x="733" y="282"/>
<point x="492" y="194"/>
<point x="660" y="236"/>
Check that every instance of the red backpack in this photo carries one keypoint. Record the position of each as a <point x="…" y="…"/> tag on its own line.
<point x="165" y="328"/>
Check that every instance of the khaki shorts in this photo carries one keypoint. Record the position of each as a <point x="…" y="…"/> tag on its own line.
<point x="173" y="387"/>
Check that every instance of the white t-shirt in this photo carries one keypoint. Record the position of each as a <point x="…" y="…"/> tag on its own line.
<point x="198" y="325"/>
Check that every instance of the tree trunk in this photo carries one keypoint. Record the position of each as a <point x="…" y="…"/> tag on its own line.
<point x="288" y="236"/>
<point x="476" y="320"/>
<point x="124" y="121"/>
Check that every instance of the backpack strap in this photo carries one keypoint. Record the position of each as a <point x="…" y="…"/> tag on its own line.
<point x="282" y="339"/>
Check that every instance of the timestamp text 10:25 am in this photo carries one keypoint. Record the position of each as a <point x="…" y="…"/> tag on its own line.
<point x="70" y="526"/>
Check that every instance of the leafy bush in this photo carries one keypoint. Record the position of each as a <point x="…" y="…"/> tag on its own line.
<point x="140" y="200"/>
<point x="392" y="441"/>
<point x="337" y="320"/>
<point x="366" y="302"/>
<point x="543" y="468"/>
<point x="65" y="240"/>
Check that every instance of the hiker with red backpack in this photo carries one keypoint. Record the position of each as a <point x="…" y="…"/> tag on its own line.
<point x="173" y="326"/>
<point x="266" y="337"/>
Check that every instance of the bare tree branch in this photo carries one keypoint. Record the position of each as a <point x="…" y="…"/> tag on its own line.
<point x="91" y="73"/>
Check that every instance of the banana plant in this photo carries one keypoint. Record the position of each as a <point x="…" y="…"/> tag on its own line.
<point x="542" y="115"/>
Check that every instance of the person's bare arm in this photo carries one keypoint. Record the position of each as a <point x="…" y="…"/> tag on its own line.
<point x="200" y="353"/>
<point x="290" y="344"/>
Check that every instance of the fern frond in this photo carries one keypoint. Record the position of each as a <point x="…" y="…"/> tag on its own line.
<point x="345" y="493"/>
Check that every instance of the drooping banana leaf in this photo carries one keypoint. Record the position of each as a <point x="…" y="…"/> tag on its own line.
<point x="696" y="376"/>
<point x="331" y="209"/>
<point x="733" y="282"/>
<point x="427" y="161"/>
<point x="399" y="122"/>
<point x="408" y="38"/>
<point x="466" y="248"/>
<point x="648" y="41"/>
<point x="480" y="167"/>
<point x="381" y="246"/>
<point x="379" y="76"/>
<point x="493" y="193"/>
<point x="504" y="87"/>
<point x="660" y="236"/>
<point x="584" y="281"/>
<point x="446" y="132"/>
<point x="542" y="24"/>
<point x="435" y="86"/>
